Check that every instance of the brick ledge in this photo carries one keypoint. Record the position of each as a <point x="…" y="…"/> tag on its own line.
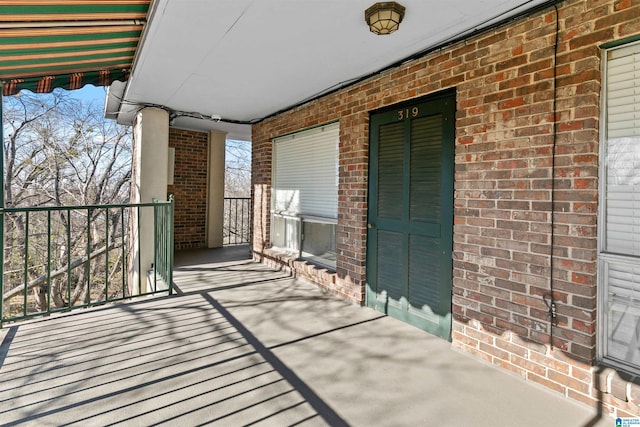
<point x="618" y="383"/>
<point x="320" y="276"/>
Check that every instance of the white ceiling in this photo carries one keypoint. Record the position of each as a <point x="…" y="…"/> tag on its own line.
<point x="243" y="60"/>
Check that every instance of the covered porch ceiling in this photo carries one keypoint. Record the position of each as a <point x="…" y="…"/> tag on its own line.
<point x="243" y="60"/>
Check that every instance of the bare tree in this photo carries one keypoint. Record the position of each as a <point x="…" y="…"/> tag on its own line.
<point x="59" y="152"/>
<point x="238" y="190"/>
<point x="237" y="177"/>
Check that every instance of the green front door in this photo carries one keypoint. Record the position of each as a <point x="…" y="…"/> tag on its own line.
<point x="409" y="240"/>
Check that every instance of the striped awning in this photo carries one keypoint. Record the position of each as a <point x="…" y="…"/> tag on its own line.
<point x="46" y="44"/>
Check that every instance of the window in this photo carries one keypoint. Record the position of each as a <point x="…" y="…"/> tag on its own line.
<point x="619" y="243"/>
<point x="304" y="198"/>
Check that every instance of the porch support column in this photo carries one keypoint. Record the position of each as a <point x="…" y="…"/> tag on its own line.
<point x="215" y="187"/>
<point x="149" y="181"/>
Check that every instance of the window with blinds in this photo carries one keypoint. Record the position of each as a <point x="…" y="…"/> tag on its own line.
<point x="619" y="258"/>
<point x="305" y="193"/>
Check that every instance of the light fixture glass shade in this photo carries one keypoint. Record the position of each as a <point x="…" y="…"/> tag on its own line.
<point x="384" y="17"/>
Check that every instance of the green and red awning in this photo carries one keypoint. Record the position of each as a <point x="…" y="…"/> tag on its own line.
<point x="46" y="44"/>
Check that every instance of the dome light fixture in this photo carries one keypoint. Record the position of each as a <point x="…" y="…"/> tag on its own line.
<point x="384" y="17"/>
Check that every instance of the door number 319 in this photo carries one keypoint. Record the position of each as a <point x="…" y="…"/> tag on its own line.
<point x="408" y="113"/>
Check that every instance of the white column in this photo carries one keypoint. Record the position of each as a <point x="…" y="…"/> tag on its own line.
<point x="215" y="189"/>
<point x="149" y="181"/>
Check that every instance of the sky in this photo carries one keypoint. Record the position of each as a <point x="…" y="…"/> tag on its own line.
<point x="90" y="94"/>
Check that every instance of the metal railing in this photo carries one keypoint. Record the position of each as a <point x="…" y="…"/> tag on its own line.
<point x="60" y="258"/>
<point x="163" y="243"/>
<point x="237" y="220"/>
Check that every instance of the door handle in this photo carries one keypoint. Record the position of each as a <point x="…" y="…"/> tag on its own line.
<point x="371" y="226"/>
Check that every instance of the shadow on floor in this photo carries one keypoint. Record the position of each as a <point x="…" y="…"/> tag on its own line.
<point x="245" y="345"/>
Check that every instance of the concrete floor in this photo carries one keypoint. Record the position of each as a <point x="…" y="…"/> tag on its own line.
<point x="245" y="345"/>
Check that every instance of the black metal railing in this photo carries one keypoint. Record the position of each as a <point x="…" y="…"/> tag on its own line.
<point x="64" y="257"/>
<point x="237" y="220"/>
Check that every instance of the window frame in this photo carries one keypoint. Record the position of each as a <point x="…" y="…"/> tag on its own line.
<point x="301" y="216"/>
<point x="605" y="258"/>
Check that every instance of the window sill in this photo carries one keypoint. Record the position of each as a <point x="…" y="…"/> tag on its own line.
<point x="300" y="267"/>
<point x="618" y="383"/>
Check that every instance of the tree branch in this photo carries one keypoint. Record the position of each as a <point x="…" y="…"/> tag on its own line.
<point x="59" y="272"/>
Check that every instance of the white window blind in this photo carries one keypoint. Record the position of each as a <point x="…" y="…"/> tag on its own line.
<point x="623" y="151"/>
<point x="305" y="175"/>
<point x="620" y="246"/>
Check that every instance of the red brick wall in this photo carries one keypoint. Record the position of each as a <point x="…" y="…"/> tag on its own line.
<point x="189" y="187"/>
<point x="504" y="80"/>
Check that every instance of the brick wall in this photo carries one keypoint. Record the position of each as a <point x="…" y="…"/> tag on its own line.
<point x="189" y="187"/>
<point x="504" y="177"/>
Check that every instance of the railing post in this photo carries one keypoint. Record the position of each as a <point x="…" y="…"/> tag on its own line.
<point x="26" y="261"/>
<point x="226" y="222"/>
<point x="88" y="269"/>
<point x="156" y="235"/>
<point x="138" y="239"/>
<point x="69" y="258"/>
<point x="106" y="256"/>
<point x="124" y="252"/>
<point x="170" y="233"/>
<point x="242" y="217"/>
<point x="48" y="261"/>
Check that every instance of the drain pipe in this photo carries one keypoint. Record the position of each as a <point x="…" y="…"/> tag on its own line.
<point x="549" y="298"/>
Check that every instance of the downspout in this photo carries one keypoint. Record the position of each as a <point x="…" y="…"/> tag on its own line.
<point x="549" y="298"/>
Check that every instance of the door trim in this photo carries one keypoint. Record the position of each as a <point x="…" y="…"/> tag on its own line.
<point x="445" y="103"/>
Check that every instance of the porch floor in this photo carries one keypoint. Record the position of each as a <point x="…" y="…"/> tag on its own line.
<point x="243" y="344"/>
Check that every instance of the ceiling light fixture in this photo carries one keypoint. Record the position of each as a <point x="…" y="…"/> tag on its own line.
<point x="384" y="17"/>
